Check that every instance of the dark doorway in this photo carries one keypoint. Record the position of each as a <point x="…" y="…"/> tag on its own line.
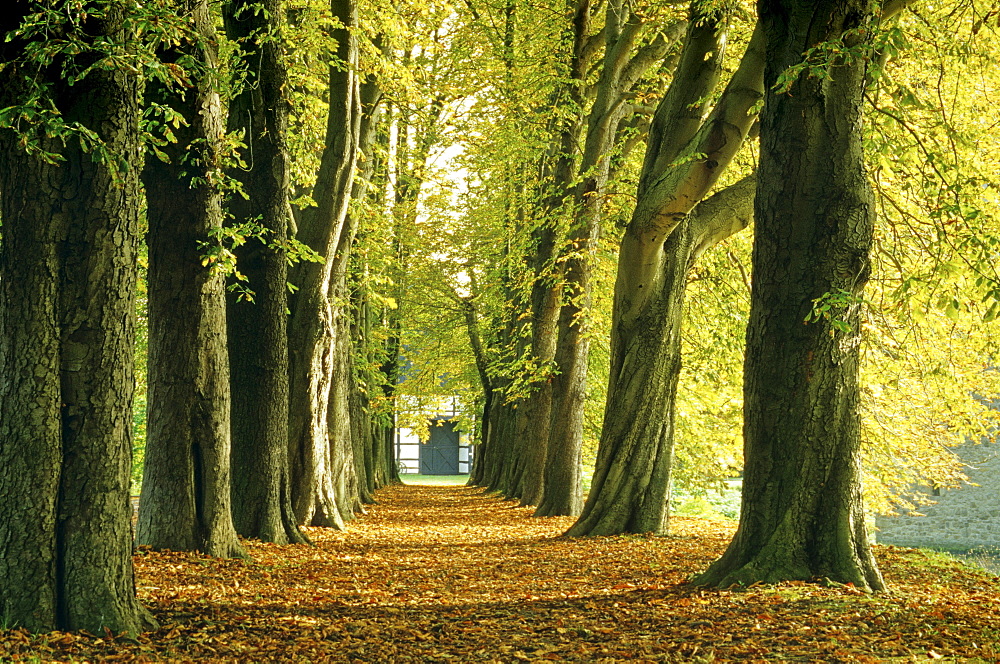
<point x="439" y="455"/>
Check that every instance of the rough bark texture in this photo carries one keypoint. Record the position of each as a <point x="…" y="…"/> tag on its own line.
<point x="314" y="361"/>
<point x="185" y="503"/>
<point x="257" y="334"/>
<point x="622" y="65"/>
<point x="630" y="491"/>
<point x="802" y="516"/>
<point x="67" y="284"/>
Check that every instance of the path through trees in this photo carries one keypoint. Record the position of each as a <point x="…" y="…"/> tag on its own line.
<point x="450" y="574"/>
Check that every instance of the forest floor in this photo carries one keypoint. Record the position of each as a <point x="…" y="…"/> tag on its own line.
<point x="447" y="574"/>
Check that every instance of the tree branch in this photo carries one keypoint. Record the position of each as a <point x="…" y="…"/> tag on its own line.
<point x="680" y="112"/>
<point x="651" y="53"/>
<point x="725" y="213"/>
<point x="591" y="48"/>
<point x="670" y="191"/>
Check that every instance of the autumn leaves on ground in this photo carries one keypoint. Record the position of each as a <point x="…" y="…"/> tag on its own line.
<point x="445" y="574"/>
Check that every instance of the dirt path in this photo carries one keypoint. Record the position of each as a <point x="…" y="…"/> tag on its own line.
<point x="446" y="574"/>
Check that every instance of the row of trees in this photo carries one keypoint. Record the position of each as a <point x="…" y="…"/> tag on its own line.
<point x="258" y="421"/>
<point x="555" y="179"/>
<point x="306" y="252"/>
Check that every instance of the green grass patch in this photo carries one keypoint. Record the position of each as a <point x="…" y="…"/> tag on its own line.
<point x="434" y="480"/>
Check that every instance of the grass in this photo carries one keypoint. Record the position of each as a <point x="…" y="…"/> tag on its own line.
<point x="434" y="480"/>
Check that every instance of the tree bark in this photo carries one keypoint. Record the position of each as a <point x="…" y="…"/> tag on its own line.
<point x="314" y="361"/>
<point x="630" y="492"/>
<point x="185" y="503"/>
<point x="67" y="285"/>
<point x="257" y="329"/>
<point x="802" y="514"/>
<point x="631" y="487"/>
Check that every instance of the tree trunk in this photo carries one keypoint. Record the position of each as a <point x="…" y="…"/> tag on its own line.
<point x="185" y="504"/>
<point x="356" y="432"/>
<point x="472" y="328"/>
<point x="802" y="515"/>
<point x="257" y="334"/>
<point x="630" y="490"/>
<point x="524" y="474"/>
<point x="363" y="426"/>
<point x="343" y="452"/>
<point x="314" y="362"/>
<point x="67" y="285"/>
<point x="622" y="66"/>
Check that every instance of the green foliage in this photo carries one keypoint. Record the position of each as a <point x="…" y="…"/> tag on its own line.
<point x="930" y="346"/>
<point x="60" y="39"/>
<point x="829" y="307"/>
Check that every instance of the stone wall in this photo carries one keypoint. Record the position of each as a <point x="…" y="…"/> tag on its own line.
<point x="960" y="519"/>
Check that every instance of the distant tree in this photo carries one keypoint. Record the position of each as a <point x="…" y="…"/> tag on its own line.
<point x="374" y="456"/>
<point x="70" y="202"/>
<point x="185" y="504"/>
<point x="802" y="513"/>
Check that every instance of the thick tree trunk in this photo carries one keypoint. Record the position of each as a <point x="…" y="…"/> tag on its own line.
<point x="802" y="515"/>
<point x="531" y="437"/>
<point x="67" y="285"/>
<point x="377" y="444"/>
<point x="314" y="361"/>
<point x="257" y="334"/>
<point x="356" y="432"/>
<point x="185" y="504"/>
<point x="630" y="491"/>
<point x="485" y="463"/>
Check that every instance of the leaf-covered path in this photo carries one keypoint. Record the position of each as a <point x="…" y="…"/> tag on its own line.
<point x="446" y="574"/>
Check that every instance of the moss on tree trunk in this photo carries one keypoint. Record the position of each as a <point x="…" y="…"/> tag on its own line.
<point x="802" y="515"/>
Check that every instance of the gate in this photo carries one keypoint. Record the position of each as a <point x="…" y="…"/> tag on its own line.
<point x="439" y="455"/>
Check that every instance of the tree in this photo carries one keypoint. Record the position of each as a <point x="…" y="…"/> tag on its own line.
<point x="69" y="200"/>
<point x="374" y="456"/>
<point x="623" y="66"/>
<point x="687" y="152"/>
<point x="185" y="502"/>
<point x="322" y="457"/>
<point x="802" y="512"/>
<point x="257" y="327"/>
